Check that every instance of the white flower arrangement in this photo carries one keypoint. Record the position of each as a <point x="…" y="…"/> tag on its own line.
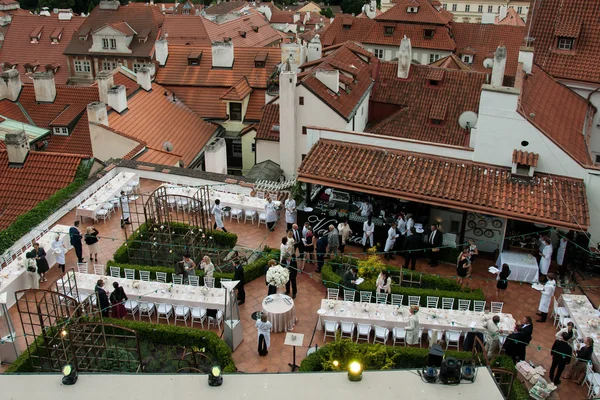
<point x="366" y="307"/>
<point x="135" y="285"/>
<point x="579" y="301"/>
<point x="593" y="323"/>
<point x="204" y="290"/>
<point x="278" y="276"/>
<point x="331" y="305"/>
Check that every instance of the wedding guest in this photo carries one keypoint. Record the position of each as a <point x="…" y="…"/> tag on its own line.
<point x="368" y="233"/>
<point x="305" y="229"/>
<point x="410" y="223"/>
<point x="284" y="252"/>
<point x="333" y="241"/>
<point x="309" y="247"/>
<point x="41" y="262"/>
<point x="563" y="254"/>
<point x="189" y="266"/>
<point x="59" y="250"/>
<point x="583" y="357"/>
<point x="350" y="278"/>
<point x="293" y="269"/>
<point x="290" y="213"/>
<point x="366" y="209"/>
<point x="492" y="340"/>
<point x="390" y="242"/>
<point x="298" y="244"/>
<point x="91" y="239"/>
<point x="571" y="332"/>
<point x="207" y="266"/>
<point x="271" y="213"/>
<point x="75" y="238"/>
<point x="125" y="214"/>
<point x="516" y="343"/>
<point x="102" y="297"/>
<point x="545" y="257"/>
<point x="117" y="300"/>
<point x="264" y="335"/>
<point x="218" y="213"/>
<point x="561" y="356"/>
<point x="238" y="275"/>
<point x="321" y="251"/>
<point x="412" y="330"/>
<point x="473" y="251"/>
<point x="180" y="267"/>
<point x="384" y="282"/>
<point x="271" y="289"/>
<point x="546" y="298"/>
<point x="502" y="278"/>
<point x="32" y="269"/>
<point x="411" y="244"/>
<point x="462" y="266"/>
<point x="435" y="241"/>
<point x="345" y="233"/>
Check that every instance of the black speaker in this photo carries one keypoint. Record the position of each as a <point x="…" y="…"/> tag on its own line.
<point x="450" y="371"/>
<point x="436" y="356"/>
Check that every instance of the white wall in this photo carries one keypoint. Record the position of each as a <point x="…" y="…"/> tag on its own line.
<point x="360" y="119"/>
<point x="109" y="33"/>
<point x="107" y="144"/>
<point x="584" y="91"/>
<point x="267" y="150"/>
<point x="418" y="54"/>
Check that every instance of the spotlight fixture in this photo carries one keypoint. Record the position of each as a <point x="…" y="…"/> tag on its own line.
<point x="355" y="371"/>
<point x="214" y="377"/>
<point x="430" y="374"/>
<point x="63" y="333"/>
<point x="69" y="375"/>
<point x="468" y="372"/>
<point x="450" y="371"/>
<point x="336" y="363"/>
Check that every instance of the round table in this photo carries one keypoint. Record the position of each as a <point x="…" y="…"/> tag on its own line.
<point x="281" y="311"/>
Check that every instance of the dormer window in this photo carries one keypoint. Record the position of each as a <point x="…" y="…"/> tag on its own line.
<point x="388" y="30"/>
<point x="194" y="58"/>
<point x="433" y="82"/>
<point x="61" y="131"/>
<point x="346" y="27"/>
<point x="56" y="35"/>
<point x="30" y="68"/>
<point x="565" y="43"/>
<point x="36" y="34"/>
<point x="467" y="59"/>
<point x="437" y="122"/>
<point x="109" y="43"/>
<point x="412" y="10"/>
<point x="428" y="33"/>
<point x="83" y="35"/>
<point x="260" y="61"/>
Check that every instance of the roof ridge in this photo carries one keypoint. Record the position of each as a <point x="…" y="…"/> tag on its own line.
<point x="118" y="132"/>
<point x="57" y="154"/>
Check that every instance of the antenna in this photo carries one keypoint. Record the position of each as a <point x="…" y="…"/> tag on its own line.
<point x="488" y="63"/>
<point x="467" y="120"/>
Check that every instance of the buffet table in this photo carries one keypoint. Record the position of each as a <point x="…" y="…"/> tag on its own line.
<point x="281" y="312"/>
<point x="14" y="276"/>
<point x="158" y="292"/>
<point x="523" y="266"/>
<point x="581" y="311"/>
<point x="108" y="192"/>
<point x="389" y="316"/>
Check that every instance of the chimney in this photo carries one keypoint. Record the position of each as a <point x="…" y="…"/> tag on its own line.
<point x="215" y="156"/>
<point x="17" y="148"/>
<point x="10" y="85"/>
<point x="96" y="112"/>
<point x="294" y="54"/>
<point x="105" y="82"/>
<point x="526" y="57"/>
<point x="404" y="58"/>
<point x="295" y="18"/>
<point x="109" y="5"/>
<point x="144" y="79"/>
<point x="315" y="49"/>
<point x="222" y="54"/>
<point x="503" y="12"/>
<point x="44" y="87"/>
<point x="306" y="17"/>
<point x="117" y="98"/>
<point x="161" y="51"/>
<point x="519" y="76"/>
<point x="329" y="78"/>
<point x="488" y="18"/>
<point x="371" y="9"/>
<point x="499" y="66"/>
<point x="287" y="120"/>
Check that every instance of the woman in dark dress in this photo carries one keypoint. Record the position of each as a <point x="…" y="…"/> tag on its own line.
<point x="462" y="266"/>
<point x="118" y="299"/>
<point x="502" y="281"/>
<point x="40" y="261"/>
<point x="102" y="297"/>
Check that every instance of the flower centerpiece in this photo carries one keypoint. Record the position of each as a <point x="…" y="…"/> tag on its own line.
<point x="135" y="285"/>
<point x="593" y="323"/>
<point x="331" y="305"/>
<point x="204" y="290"/>
<point x="366" y="307"/>
<point x="278" y="276"/>
<point x="579" y="301"/>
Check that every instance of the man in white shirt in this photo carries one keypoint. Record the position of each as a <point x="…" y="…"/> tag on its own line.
<point x="390" y="241"/>
<point x="366" y="209"/>
<point x="290" y="213"/>
<point x="271" y="213"/>
<point x="410" y="222"/>
<point x="368" y="233"/>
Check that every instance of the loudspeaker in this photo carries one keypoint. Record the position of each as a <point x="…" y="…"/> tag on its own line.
<point x="450" y="371"/>
<point x="436" y="356"/>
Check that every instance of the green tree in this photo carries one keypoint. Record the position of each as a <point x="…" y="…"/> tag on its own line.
<point x="327" y="13"/>
<point x="52" y="4"/>
<point x="352" y="6"/>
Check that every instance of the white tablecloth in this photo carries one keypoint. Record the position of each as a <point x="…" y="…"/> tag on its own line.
<point x="106" y="193"/>
<point x="281" y="311"/>
<point x="14" y="277"/>
<point x="157" y="292"/>
<point x="581" y="314"/>
<point x="523" y="266"/>
<point x="389" y="316"/>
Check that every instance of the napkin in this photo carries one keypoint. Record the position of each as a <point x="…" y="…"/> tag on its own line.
<point x="473" y="324"/>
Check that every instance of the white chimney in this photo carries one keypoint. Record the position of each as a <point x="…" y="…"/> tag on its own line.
<point x="161" y="51"/>
<point x="215" y="156"/>
<point x="306" y="17"/>
<point x="144" y="79"/>
<point x="109" y="5"/>
<point x="371" y="9"/>
<point x="499" y="66"/>
<point x="488" y="18"/>
<point x="105" y="82"/>
<point x="10" y="85"/>
<point x="526" y="57"/>
<point x="315" y="49"/>
<point x="44" y="87"/>
<point x="329" y="78"/>
<point x="17" y="148"/>
<point x="287" y="120"/>
<point x="295" y="18"/>
<point x="503" y="12"/>
<point x="404" y="58"/>
<point x="222" y="54"/>
<point x="294" y="54"/>
<point x="117" y="98"/>
<point x="96" y="112"/>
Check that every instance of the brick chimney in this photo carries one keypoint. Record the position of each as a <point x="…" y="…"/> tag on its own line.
<point x="44" y="87"/>
<point x="144" y="79"/>
<point x="17" y="148"/>
<point x="96" y="112"/>
<point x="117" y="98"/>
<point x="10" y="85"/>
<point x="222" y="54"/>
<point x="105" y="82"/>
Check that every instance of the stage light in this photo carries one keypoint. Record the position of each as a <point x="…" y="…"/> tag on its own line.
<point x="63" y="333"/>
<point x="214" y="377"/>
<point x="69" y="375"/>
<point x="450" y="371"/>
<point x="355" y="371"/>
<point x="336" y="363"/>
<point x="468" y="372"/>
<point x="430" y="374"/>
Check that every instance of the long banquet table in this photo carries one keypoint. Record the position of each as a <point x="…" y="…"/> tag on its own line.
<point x="106" y="193"/>
<point x="582" y="311"/>
<point x="157" y="292"/>
<point x="389" y="316"/>
<point x="14" y="276"/>
<point x="523" y="266"/>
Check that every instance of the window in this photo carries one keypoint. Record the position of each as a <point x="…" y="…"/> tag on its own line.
<point x="499" y="8"/>
<point x="467" y="8"/>
<point x="445" y="6"/>
<point x="433" y="82"/>
<point x="61" y="131"/>
<point x="490" y="9"/>
<point x="137" y="66"/>
<point x="565" y="43"/>
<point x="105" y="43"/>
<point x="412" y="9"/>
<point x="428" y="33"/>
<point x="301" y="100"/>
<point x="113" y="44"/>
<point x="253" y="147"/>
<point x="109" y="65"/>
<point x="437" y="122"/>
<point x="82" y="66"/>
<point x="388" y="30"/>
<point x="479" y="9"/>
<point x="433" y="58"/>
<point x="453" y="7"/>
<point x="304" y="130"/>
<point x="235" y="111"/>
<point x="467" y="59"/>
<point x="236" y="148"/>
<point x="520" y="10"/>
<point x="346" y="27"/>
<point x="597" y="158"/>
<point x="379" y="53"/>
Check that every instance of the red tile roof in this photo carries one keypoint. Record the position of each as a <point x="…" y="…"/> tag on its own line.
<point x="512" y="18"/>
<point x="347" y="28"/>
<point x="558" y="112"/>
<point x="577" y="19"/>
<point x="484" y="39"/>
<point x="426" y="14"/>
<point x="268" y="129"/>
<point x="40" y="177"/>
<point x="525" y="158"/>
<point x="78" y="142"/>
<point x="447" y="182"/>
<point x="441" y="39"/>
<point x="225" y="7"/>
<point x="451" y="62"/>
<point x="122" y="27"/>
<point x="238" y="91"/>
<point x="139" y="16"/>
<point x="378" y="12"/>
<point x="242" y="30"/>
<point x="457" y="92"/>
<point x="12" y="110"/>
<point x="183" y="29"/>
<point x="17" y="44"/>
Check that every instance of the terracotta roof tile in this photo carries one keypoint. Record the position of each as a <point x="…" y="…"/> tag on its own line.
<point x="78" y="142"/>
<point x="451" y="62"/>
<point x="225" y="7"/>
<point x="268" y="128"/>
<point x="355" y="29"/>
<point x="122" y="27"/>
<point x="426" y="14"/>
<point x="559" y="112"/>
<point x="525" y="158"/>
<point x="512" y="18"/>
<point x="448" y="182"/>
<point x="264" y="35"/>
<point x="17" y="45"/>
<point x="12" y="110"/>
<point x="457" y="92"/>
<point x="238" y="91"/>
<point x="183" y="29"/>
<point x="441" y="39"/>
<point x="577" y="19"/>
<point x="40" y="177"/>
<point x="255" y="105"/>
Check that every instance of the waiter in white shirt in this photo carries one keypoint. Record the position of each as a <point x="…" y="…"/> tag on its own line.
<point x="545" y="256"/>
<point x="218" y="213"/>
<point x="366" y="209"/>
<point x="546" y="298"/>
<point x="290" y="213"/>
<point x="401" y="229"/>
<point x="410" y="223"/>
<point x="390" y="241"/>
<point x="368" y="233"/>
<point x="271" y="213"/>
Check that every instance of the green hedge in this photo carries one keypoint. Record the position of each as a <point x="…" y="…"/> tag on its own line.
<point x="26" y="222"/>
<point x="332" y="280"/>
<point x="24" y="363"/>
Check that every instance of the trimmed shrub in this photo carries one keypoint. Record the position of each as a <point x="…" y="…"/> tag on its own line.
<point x="117" y="360"/>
